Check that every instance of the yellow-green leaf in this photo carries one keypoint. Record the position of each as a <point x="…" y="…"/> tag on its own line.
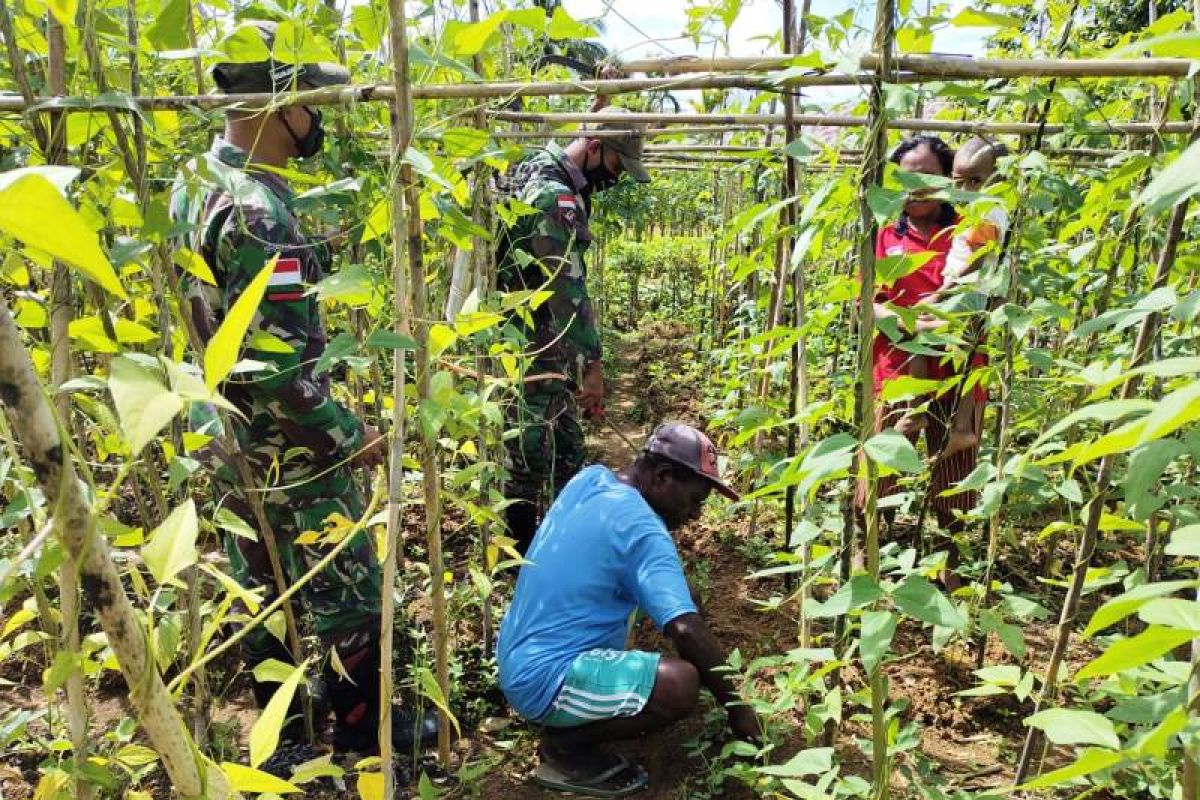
<point x="144" y="404"/>
<point x="172" y="546"/>
<point x="192" y="262"/>
<point x="63" y="11"/>
<point x="562" y="26"/>
<point x="370" y="785"/>
<point x="264" y="736"/>
<point x="222" y="352"/>
<point x="247" y="779"/>
<point x="440" y="337"/>
<point x="1134" y="651"/>
<point x="34" y="211"/>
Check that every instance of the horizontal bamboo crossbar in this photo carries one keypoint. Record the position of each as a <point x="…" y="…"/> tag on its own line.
<point x="956" y="67"/>
<point x="682" y="74"/>
<point x="836" y="121"/>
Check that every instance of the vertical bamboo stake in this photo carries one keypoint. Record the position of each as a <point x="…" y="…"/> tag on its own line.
<point x="403" y="127"/>
<point x="481" y="259"/>
<point x="401" y="133"/>
<point x="875" y="143"/>
<point x="798" y="377"/>
<point x="76" y="526"/>
<point x="61" y="311"/>
<point x="193" y="39"/>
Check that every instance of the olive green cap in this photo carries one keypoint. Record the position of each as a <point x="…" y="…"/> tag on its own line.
<point x="631" y="147"/>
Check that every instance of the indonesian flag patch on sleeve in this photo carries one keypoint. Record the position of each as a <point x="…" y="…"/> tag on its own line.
<point x="286" y="281"/>
<point x="567" y="208"/>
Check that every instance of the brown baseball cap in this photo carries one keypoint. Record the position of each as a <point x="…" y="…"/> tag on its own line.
<point x="685" y="445"/>
<point x="272" y="75"/>
<point x="631" y="147"/>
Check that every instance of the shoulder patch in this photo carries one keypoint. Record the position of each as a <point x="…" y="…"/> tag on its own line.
<point x="285" y="281"/>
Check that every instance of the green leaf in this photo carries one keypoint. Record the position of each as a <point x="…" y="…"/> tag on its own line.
<point x="222" y="351"/>
<point x="172" y="545"/>
<point x="1089" y="761"/>
<point x="562" y="26"/>
<point x="859" y="591"/>
<point x="440" y="337"/>
<point x="1178" y="181"/>
<point x="891" y="449"/>
<point x="33" y="210"/>
<point x="1074" y="726"/>
<point x="244" y="45"/>
<point x="919" y="598"/>
<point x="1134" y="652"/>
<point x="972" y="18"/>
<point x="1172" y="612"/>
<point x="264" y="736"/>
<point x="431" y="689"/>
<point x="878" y="628"/>
<point x="1185" y="541"/>
<point x="813" y="761"/>
<point x="1128" y="603"/>
<point x="890" y="269"/>
<point x="248" y="779"/>
<point x="144" y="404"/>
<point x="169" y="31"/>
<point x="390" y="340"/>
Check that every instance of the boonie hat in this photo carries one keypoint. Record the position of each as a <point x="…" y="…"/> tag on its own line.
<point x="275" y="76"/>
<point x="685" y="445"/>
<point x="631" y="147"/>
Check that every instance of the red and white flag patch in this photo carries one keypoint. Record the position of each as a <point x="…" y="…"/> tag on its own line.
<point x="566" y="202"/>
<point x="287" y="275"/>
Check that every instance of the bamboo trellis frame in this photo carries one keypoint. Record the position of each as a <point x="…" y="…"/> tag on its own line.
<point x="846" y="121"/>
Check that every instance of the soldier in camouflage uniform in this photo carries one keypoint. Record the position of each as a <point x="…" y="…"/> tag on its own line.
<point x="545" y="251"/>
<point x="299" y="441"/>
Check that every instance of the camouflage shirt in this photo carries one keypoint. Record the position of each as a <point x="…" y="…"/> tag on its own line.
<point x="545" y="251"/>
<point x="237" y="220"/>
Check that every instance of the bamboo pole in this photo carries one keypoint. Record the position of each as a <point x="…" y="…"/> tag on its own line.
<point x="1089" y="128"/>
<point x="872" y="174"/>
<point x="62" y="309"/>
<point x="418" y="292"/>
<point x="483" y="270"/>
<point x="401" y="135"/>
<point x="936" y="65"/>
<point x="75" y="523"/>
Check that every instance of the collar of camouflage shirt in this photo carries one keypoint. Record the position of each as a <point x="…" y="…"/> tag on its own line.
<point x="578" y="181"/>
<point x="235" y="156"/>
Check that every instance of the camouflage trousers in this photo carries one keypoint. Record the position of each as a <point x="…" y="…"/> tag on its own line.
<point x="343" y="599"/>
<point x="549" y="447"/>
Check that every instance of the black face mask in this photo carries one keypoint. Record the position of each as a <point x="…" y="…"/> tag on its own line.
<point x="600" y="177"/>
<point x="310" y="144"/>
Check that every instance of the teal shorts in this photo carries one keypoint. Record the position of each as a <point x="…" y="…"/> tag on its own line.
<point x="603" y="684"/>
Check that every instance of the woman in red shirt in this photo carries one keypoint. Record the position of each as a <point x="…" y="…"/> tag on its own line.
<point x="925" y="226"/>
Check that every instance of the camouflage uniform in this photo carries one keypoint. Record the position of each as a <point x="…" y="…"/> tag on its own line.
<point x="296" y="437"/>
<point x="545" y="251"/>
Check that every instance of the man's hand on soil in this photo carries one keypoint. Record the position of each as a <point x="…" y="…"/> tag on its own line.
<point x="745" y="724"/>
<point x="373" y="451"/>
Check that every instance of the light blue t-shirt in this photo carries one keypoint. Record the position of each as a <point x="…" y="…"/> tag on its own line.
<point x="600" y="552"/>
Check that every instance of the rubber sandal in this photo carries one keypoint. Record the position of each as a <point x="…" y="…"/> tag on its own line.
<point x="549" y="777"/>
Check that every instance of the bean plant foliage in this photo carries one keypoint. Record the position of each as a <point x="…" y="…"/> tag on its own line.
<point x="1087" y="528"/>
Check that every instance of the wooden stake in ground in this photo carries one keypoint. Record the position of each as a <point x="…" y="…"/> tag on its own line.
<point x="401" y="133"/>
<point x="75" y="524"/>
<point x="417" y="286"/>
<point x="872" y="174"/>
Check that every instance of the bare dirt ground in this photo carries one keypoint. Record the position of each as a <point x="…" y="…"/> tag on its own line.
<point x="969" y="741"/>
